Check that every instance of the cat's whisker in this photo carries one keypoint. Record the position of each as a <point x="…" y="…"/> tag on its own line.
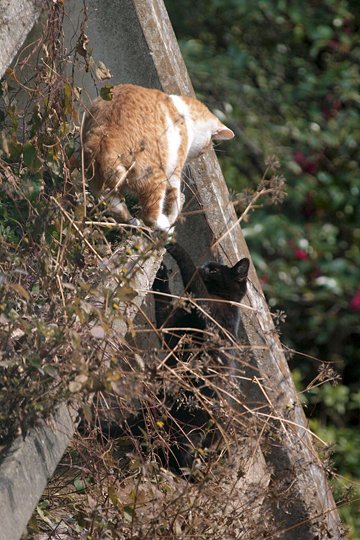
<point x="219" y="150"/>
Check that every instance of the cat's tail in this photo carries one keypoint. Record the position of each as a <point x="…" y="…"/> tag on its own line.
<point x="163" y="303"/>
<point x="192" y="280"/>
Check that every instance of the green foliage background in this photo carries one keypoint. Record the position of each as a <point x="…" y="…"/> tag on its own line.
<point x="286" y="77"/>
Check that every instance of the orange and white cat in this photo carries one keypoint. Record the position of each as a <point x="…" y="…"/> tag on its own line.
<point x="139" y="142"/>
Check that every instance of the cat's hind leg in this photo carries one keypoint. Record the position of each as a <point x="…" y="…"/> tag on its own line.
<point x="174" y="199"/>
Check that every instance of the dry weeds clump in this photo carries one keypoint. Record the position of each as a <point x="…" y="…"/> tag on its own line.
<point x="63" y="282"/>
<point x="68" y="280"/>
<point x="52" y="260"/>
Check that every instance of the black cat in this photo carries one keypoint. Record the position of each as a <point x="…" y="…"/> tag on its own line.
<point x="202" y="326"/>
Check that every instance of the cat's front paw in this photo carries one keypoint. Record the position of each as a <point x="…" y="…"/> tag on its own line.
<point x="162" y="223"/>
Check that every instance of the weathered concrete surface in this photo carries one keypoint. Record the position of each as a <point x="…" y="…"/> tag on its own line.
<point x="116" y="38"/>
<point x="27" y="468"/>
<point x="17" y="17"/>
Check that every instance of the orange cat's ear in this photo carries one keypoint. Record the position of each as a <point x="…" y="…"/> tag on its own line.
<point x="222" y="133"/>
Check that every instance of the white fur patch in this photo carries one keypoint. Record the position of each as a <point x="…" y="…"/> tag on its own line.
<point x="199" y="132"/>
<point x="174" y="181"/>
<point x="173" y="137"/>
<point x="162" y="223"/>
<point x="184" y="111"/>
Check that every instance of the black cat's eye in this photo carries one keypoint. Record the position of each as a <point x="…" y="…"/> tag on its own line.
<point x="211" y="270"/>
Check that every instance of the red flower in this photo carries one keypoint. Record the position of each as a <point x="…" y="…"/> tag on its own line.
<point x="348" y="26"/>
<point x="355" y="301"/>
<point x="331" y="107"/>
<point x="307" y="165"/>
<point x="301" y="254"/>
<point x="334" y="43"/>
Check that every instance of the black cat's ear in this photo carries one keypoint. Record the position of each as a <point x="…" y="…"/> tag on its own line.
<point x="241" y="269"/>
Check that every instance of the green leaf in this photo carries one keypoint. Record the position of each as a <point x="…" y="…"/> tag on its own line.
<point x="107" y="92"/>
<point x="32" y="185"/>
<point x="31" y="159"/>
<point x="36" y="362"/>
<point x="51" y="370"/>
<point x="129" y="513"/>
<point x="79" y="484"/>
<point x="113" y="496"/>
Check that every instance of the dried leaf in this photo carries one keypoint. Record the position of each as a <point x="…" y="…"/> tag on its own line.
<point x="75" y="386"/>
<point x="81" y="47"/>
<point x="67" y="98"/>
<point x="20" y="290"/>
<point x="87" y="412"/>
<point x="112" y="492"/>
<point x="17" y="334"/>
<point x="98" y="332"/>
<point x="139" y="361"/>
<point x="125" y="293"/>
<point x="102" y="72"/>
<point x="10" y="73"/>
<point x="82" y="378"/>
<point x="114" y="375"/>
<point x="43" y="517"/>
<point x="92" y="502"/>
<point x="69" y="286"/>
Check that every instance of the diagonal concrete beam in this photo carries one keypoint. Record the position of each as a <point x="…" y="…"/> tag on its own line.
<point x="312" y="504"/>
<point x="26" y="469"/>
